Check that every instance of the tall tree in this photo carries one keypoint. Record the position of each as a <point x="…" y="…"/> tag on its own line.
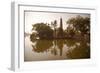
<point x="54" y="25"/>
<point x="80" y="23"/>
<point x="43" y="30"/>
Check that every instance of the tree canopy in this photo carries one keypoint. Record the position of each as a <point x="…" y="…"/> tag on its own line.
<point x="43" y="30"/>
<point x="80" y="23"/>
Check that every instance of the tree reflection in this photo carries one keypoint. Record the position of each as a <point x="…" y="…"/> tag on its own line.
<point x="42" y="45"/>
<point x="73" y="49"/>
<point x="70" y="42"/>
<point x="54" y="48"/>
<point x="57" y="47"/>
<point x="60" y="44"/>
<point x="80" y="51"/>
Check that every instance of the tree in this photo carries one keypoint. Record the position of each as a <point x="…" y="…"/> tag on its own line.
<point x="54" y="25"/>
<point x="43" y="30"/>
<point x="33" y="37"/>
<point x="80" y="23"/>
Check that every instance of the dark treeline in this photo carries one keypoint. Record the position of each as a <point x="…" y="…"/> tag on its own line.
<point x="78" y="28"/>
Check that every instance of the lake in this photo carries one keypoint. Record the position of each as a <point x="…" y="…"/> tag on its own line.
<point x="60" y="49"/>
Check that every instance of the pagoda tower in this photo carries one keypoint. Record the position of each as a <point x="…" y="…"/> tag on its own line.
<point x="60" y="31"/>
<point x="61" y="24"/>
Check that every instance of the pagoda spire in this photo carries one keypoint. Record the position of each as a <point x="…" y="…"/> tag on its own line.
<point x="60" y="30"/>
<point x="61" y="23"/>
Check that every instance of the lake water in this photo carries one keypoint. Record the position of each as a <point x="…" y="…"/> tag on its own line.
<point x="60" y="49"/>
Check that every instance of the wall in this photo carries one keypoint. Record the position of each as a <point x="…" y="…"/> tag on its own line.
<point x="5" y="31"/>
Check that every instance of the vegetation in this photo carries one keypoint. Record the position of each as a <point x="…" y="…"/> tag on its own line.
<point x="54" y="25"/>
<point x="43" y="30"/>
<point x="78" y="27"/>
<point x="79" y="24"/>
<point x="73" y="42"/>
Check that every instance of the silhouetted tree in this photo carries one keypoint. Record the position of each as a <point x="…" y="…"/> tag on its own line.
<point x="54" y="25"/>
<point x="43" y="30"/>
<point x="81" y="24"/>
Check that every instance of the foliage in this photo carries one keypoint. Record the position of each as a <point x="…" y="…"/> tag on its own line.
<point x="54" y="25"/>
<point x="33" y="36"/>
<point x="80" y="23"/>
<point x="43" y="30"/>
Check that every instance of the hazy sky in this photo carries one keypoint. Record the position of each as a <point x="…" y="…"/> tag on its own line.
<point x="47" y="17"/>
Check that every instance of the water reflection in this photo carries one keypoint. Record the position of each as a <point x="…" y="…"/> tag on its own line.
<point x="42" y="45"/>
<point x="65" y="49"/>
<point x="79" y="51"/>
